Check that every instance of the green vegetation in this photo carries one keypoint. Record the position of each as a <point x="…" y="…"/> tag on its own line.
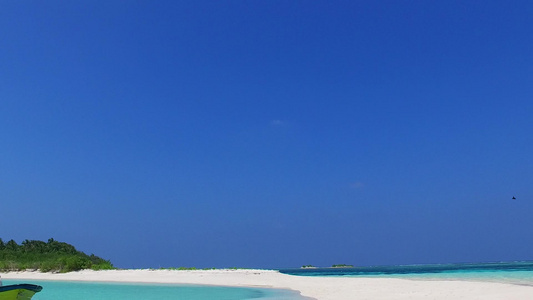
<point x="342" y="266"/>
<point x="51" y="256"/>
<point x="308" y="267"/>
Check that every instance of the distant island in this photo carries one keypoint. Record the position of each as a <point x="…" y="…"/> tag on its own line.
<point x="309" y="267"/>
<point x="334" y="266"/>
<point x="342" y="266"/>
<point x="51" y="256"/>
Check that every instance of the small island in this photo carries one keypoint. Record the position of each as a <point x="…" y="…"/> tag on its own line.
<point x="51" y="256"/>
<point x="342" y="266"/>
<point x="308" y="267"/>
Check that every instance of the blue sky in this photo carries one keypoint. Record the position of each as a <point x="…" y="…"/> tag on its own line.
<point x="269" y="133"/>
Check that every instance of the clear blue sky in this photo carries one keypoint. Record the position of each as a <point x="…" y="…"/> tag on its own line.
<point x="269" y="133"/>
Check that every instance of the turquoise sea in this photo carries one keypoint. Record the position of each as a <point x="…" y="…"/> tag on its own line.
<point x="53" y="290"/>
<point x="507" y="272"/>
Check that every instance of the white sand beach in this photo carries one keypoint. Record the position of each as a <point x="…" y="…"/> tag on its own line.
<point x="321" y="288"/>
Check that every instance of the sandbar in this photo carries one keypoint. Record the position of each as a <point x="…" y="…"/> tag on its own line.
<point x="320" y="288"/>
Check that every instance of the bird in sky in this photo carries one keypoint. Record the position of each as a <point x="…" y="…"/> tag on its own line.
<point x="514" y="198"/>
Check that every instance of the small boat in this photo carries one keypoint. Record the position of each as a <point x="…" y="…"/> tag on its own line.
<point x="19" y="291"/>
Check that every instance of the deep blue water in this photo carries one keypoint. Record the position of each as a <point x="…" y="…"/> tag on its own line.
<point x="53" y="290"/>
<point x="508" y="272"/>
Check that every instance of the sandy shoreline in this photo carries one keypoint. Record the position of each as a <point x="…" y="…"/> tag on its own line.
<point x="321" y="288"/>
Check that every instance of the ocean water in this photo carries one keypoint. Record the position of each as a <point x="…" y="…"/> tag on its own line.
<point x="53" y="290"/>
<point x="506" y="272"/>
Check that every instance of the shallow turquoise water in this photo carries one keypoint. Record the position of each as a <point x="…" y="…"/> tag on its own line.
<point x="53" y="290"/>
<point x="513" y="277"/>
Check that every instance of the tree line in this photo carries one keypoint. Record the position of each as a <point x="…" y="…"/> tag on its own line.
<point x="51" y="256"/>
